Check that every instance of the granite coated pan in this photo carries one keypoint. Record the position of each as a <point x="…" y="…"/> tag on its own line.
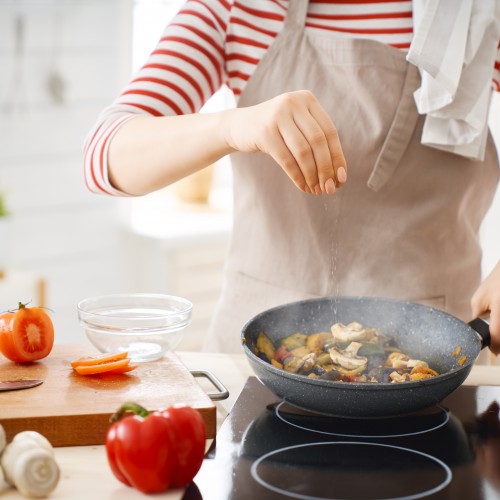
<point x="423" y="332"/>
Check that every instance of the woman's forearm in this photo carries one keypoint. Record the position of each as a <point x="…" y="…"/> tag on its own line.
<point x="148" y="153"/>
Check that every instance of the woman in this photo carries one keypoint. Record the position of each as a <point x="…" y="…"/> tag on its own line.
<point x="320" y="106"/>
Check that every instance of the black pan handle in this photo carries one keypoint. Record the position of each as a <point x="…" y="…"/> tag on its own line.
<point x="483" y="328"/>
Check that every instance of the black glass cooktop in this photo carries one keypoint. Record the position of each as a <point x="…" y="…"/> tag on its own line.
<point x="268" y="450"/>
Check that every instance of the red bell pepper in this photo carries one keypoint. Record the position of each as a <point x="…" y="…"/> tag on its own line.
<point x="153" y="452"/>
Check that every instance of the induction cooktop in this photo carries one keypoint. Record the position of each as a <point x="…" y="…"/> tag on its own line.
<point x="267" y="450"/>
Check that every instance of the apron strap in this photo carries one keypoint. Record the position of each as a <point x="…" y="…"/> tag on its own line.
<point x="296" y="13"/>
<point x="399" y="134"/>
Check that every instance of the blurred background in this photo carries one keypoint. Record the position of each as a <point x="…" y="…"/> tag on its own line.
<point x="62" y="62"/>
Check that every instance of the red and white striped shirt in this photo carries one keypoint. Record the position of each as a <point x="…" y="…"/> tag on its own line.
<point x="214" y="42"/>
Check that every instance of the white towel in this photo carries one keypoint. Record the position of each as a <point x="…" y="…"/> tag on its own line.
<point x="455" y="45"/>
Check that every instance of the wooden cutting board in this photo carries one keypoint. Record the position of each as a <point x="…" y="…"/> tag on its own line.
<point x="74" y="410"/>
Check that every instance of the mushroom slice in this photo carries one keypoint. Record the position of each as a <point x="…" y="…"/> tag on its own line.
<point x="401" y="361"/>
<point x="309" y="363"/>
<point x="399" y="364"/>
<point x="399" y="377"/>
<point x="414" y="363"/>
<point x="395" y="358"/>
<point x="293" y="364"/>
<point x="352" y="332"/>
<point x="347" y="360"/>
<point x="354" y="347"/>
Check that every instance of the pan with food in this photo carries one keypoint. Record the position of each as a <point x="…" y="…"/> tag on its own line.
<point x="361" y="356"/>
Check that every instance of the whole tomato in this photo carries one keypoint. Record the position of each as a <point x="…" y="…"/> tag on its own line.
<point x="153" y="452"/>
<point x="26" y="334"/>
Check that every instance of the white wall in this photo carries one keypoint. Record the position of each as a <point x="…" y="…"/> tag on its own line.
<point x="60" y="231"/>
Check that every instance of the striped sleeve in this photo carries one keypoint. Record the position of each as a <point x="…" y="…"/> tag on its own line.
<point x="185" y="69"/>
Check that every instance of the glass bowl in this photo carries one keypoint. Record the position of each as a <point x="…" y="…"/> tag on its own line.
<point x="145" y="325"/>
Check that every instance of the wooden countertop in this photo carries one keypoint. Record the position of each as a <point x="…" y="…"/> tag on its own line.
<point x="85" y="472"/>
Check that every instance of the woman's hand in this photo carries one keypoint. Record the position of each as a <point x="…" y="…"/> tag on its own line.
<point x="297" y="132"/>
<point x="487" y="298"/>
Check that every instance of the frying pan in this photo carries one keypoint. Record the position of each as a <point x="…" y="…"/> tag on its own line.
<point x="420" y="331"/>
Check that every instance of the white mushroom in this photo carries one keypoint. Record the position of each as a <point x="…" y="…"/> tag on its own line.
<point x="29" y="464"/>
<point x="36" y="473"/>
<point x="352" y="332"/>
<point x="347" y="359"/>
<point x="4" y="485"/>
<point x="36" y="437"/>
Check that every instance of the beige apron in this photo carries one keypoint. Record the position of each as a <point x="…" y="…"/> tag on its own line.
<point x="406" y="223"/>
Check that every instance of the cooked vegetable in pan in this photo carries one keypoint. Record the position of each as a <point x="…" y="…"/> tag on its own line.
<point x="348" y="353"/>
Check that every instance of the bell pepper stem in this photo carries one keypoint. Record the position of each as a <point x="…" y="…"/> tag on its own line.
<point x="131" y="407"/>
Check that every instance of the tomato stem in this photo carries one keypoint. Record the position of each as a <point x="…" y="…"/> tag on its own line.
<point x="24" y="306"/>
<point x="135" y="408"/>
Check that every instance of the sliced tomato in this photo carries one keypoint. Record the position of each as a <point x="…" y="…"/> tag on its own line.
<point x="99" y="359"/>
<point x="26" y="334"/>
<point x="119" y="366"/>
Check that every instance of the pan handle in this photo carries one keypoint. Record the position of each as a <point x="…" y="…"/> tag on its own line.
<point x="483" y="328"/>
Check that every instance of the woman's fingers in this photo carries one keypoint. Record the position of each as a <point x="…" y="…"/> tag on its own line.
<point x="338" y="170"/>
<point x="313" y="155"/>
<point x="297" y="132"/>
<point x="312" y="139"/>
<point x="282" y="155"/>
